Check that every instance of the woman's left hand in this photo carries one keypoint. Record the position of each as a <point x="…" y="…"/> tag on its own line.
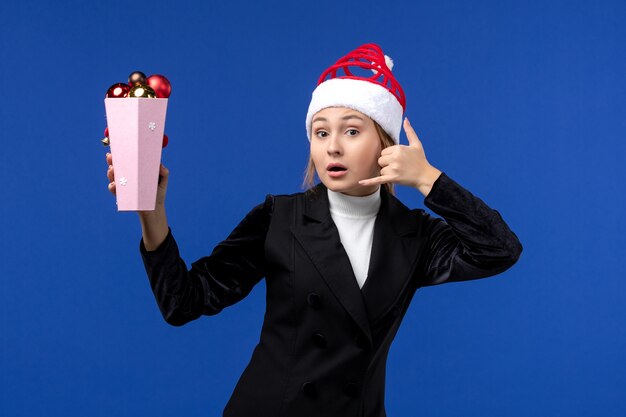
<point x="406" y="165"/>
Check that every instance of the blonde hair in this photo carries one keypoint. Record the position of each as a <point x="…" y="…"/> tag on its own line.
<point x="385" y="142"/>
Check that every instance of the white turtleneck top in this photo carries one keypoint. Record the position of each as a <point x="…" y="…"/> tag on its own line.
<point x="354" y="218"/>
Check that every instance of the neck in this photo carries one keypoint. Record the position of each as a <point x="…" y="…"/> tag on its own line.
<point x="353" y="206"/>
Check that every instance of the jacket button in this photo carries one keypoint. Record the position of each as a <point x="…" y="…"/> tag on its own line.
<point x="319" y="340"/>
<point x="351" y="389"/>
<point x="360" y="341"/>
<point x="313" y="300"/>
<point x="308" y="389"/>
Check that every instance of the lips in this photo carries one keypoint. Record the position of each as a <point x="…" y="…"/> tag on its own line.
<point x="335" y="167"/>
<point x="336" y="170"/>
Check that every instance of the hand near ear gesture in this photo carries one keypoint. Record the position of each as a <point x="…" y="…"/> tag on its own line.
<point x="406" y="165"/>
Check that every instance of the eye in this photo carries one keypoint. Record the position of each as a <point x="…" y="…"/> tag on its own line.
<point x="321" y="134"/>
<point x="352" y="132"/>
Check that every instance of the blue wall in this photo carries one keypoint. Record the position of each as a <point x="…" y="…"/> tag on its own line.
<point x="521" y="102"/>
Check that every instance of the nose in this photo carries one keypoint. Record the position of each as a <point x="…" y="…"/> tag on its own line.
<point x="334" y="145"/>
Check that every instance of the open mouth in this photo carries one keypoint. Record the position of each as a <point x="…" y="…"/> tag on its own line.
<point x="336" y="170"/>
<point x="335" y="167"/>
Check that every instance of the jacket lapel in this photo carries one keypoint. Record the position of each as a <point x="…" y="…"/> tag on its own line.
<point x="394" y="252"/>
<point x="318" y="235"/>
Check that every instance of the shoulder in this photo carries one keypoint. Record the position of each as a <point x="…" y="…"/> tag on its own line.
<point x="309" y="193"/>
<point x="406" y="221"/>
<point x="392" y="205"/>
<point x="290" y="200"/>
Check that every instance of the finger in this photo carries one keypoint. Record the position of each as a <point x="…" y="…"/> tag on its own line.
<point x="389" y="150"/>
<point x="384" y="160"/>
<point x="109" y="158"/>
<point x="110" y="174"/>
<point x="164" y="173"/>
<point x="112" y="188"/>
<point x="383" y="179"/>
<point x="410" y="133"/>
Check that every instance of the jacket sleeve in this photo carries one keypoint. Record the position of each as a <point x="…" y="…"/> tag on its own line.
<point x="471" y="241"/>
<point x="216" y="281"/>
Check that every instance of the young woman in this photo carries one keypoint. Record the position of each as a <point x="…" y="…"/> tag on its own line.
<point x="341" y="260"/>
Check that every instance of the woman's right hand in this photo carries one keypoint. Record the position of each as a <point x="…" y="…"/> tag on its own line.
<point x="163" y="178"/>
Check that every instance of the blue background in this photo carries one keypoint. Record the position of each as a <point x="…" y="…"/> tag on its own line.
<point x="520" y="102"/>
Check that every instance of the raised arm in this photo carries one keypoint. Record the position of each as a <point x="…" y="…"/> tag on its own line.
<point x="471" y="241"/>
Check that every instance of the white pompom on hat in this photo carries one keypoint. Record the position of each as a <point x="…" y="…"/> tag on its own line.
<point x="379" y="96"/>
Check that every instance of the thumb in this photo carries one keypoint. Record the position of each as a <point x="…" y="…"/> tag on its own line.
<point x="164" y="174"/>
<point x="410" y="133"/>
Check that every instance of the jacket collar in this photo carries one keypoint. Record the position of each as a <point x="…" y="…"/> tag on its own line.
<point x="316" y="208"/>
<point x="392" y="260"/>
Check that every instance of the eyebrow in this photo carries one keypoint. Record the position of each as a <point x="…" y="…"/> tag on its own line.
<point x="350" y="116"/>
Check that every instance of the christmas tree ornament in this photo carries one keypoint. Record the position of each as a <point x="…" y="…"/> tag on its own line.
<point x="165" y="140"/>
<point x="119" y="90"/>
<point x="135" y="133"/>
<point x="141" y="91"/>
<point x="160" y="85"/>
<point x="105" y="141"/>
<point x="136" y="77"/>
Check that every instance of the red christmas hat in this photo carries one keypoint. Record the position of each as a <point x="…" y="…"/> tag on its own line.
<point x="378" y="96"/>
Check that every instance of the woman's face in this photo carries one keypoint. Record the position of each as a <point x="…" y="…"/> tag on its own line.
<point x="345" y="148"/>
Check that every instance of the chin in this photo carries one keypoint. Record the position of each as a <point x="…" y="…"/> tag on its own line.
<point x="351" y="189"/>
<point x="339" y="186"/>
<point x="333" y="186"/>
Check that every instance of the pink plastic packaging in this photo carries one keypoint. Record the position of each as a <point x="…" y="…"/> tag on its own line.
<point x="136" y="127"/>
